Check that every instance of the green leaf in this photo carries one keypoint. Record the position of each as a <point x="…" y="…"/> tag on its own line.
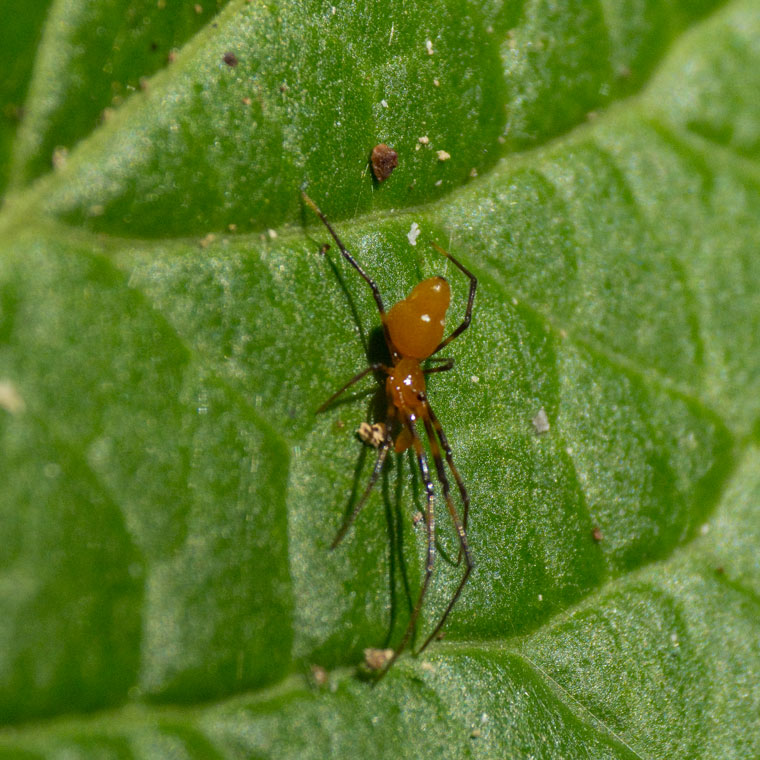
<point x="168" y="327"/>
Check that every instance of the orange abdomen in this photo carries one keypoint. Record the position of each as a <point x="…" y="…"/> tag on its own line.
<point x="416" y="323"/>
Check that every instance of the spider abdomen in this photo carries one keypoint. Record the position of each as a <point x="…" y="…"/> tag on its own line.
<point x="416" y="324"/>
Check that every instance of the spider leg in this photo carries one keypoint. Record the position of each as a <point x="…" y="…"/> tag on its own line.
<point x="354" y="379"/>
<point x="461" y="533"/>
<point x="444" y="366"/>
<point x="382" y="453"/>
<point x="471" y="299"/>
<point x="457" y="477"/>
<point x="430" y="525"/>
<point x="354" y="263"/>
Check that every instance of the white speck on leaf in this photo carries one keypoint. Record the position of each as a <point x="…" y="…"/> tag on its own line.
<point x="10" y="398"/>
<point x="541" y="422"/>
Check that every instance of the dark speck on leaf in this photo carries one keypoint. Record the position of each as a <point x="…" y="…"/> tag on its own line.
<point x="230" y="59"/>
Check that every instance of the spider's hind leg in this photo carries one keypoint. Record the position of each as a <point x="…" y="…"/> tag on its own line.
<point x="458" y="524"/>
<point x="430" y="525"/>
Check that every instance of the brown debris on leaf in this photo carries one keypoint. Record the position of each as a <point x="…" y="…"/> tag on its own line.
<point x="384" y="160"/>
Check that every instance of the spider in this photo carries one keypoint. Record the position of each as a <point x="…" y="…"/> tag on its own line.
<point x="413" y="331"/>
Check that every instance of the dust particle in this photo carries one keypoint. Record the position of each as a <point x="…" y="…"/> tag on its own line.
<point x="319" y="675"/>
<point x="10" y="398"/>
<point x="541" y="422"/>
<point x="377" y="659"/>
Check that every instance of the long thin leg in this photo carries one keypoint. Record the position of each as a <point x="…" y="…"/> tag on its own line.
<point x="354" y="379"/>
<point x="379" y="462"/>
<point x="445" y="366"/>
<point x="461" y="533"/>
<point x="450" y="461"/>
<point x="471" y="299"/>
<point x="351" y="260"/>
<point x="430" y="524"/>
<point x="355" y="264"/>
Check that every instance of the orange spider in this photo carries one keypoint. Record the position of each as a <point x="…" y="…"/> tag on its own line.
<point x="413" y="330"/>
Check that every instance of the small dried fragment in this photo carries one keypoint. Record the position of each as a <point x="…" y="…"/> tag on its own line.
<point x="443" y="155"/>
<point x="424" y="140"/>
<point x="10" y="398"/>
<point x="384" y="160"/>
<point x="541" y="422"/>
<point x="60" y="156"/>
<point x="372" y="435"/>
<point x="413" y="234"/>
<point x="319" y="675"/>
<point x="377" y="659"/>
<point x="230" y="59"/>
<point x="206" y="241"/>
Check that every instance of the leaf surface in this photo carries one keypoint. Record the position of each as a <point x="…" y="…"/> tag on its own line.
<point x="168" y="327"/>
